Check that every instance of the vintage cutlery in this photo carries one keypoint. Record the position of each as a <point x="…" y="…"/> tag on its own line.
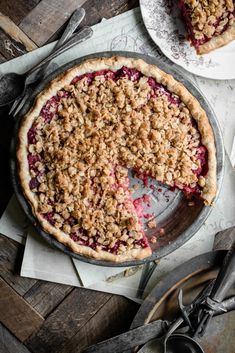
<point x="12" y="85"/>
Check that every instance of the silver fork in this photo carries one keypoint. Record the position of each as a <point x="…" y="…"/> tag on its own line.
<point x="39" y="70"/>
<point x="77" y="38"/>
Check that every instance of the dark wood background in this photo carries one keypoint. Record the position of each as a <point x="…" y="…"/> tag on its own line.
<point x="38" y="316"/>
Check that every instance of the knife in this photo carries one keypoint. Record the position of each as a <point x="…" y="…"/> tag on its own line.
<point x="130" y="339"/>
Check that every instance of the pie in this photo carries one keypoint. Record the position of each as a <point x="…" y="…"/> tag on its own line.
<point x="83" y="133"/>
<point x="210" y="23"/>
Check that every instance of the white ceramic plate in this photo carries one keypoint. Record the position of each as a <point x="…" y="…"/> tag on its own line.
<point x="163" y="21"/>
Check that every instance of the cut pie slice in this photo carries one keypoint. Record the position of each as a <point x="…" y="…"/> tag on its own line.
<point x="210" y="23"/>
<point x="84" y="132"/>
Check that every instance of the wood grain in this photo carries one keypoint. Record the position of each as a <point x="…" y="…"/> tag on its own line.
<point x="7" y="125"/>
<point x="96" y="9"/>
<point x="16" y="33"/>
<point x="10" y="344"/>
<point x="16" y="314"/>
<point x="9" y="47"/>
<point x="10" y="260"/>
<point x="77" y="308"/>
<point x="2" y="58"/>
<point x="45" y="296"/>
<point x="17" y="10"/>
<point x="47" y="17"/>
<point x="112" y="319"/>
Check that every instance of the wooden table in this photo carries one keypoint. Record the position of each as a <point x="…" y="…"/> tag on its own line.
<point x="38" y="316"/>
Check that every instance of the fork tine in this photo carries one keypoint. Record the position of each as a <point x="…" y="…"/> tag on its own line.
<point x="20" y="105"/>
<point x="14" y="105"/>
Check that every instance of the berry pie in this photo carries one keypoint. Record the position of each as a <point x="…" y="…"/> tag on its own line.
<point x="210" y="23"/>
<point x="83" y="133"/>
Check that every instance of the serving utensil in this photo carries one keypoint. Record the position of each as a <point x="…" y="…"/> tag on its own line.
<point x="13" y="85"/>
<point x="79" y="37"/>
<point x="222" y="284"/>
<point x="159" y="328"/>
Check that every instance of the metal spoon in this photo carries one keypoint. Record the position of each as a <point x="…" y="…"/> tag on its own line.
<point x="12" y="85"/>
<point x="177" y="343"/>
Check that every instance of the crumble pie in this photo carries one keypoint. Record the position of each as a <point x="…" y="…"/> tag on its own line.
<point x="87" y="128"/>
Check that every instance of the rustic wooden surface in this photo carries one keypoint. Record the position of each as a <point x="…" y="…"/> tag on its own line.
<point x="38" y="316"/>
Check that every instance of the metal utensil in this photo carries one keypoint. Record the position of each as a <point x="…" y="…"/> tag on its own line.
<point x="79" y="37"/>
<point x="222" y="284"/>
<point x="12" y="85"/>
<point x="142" y="334"/>
<point x="130" y="339"/>
<point x="176" y="343"/>
<point x="147" y="272"/>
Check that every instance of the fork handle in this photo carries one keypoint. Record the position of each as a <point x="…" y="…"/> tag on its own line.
<point x="76" y="38"/>
<point x="74" y="21"/>
<point x="225" y="278"/>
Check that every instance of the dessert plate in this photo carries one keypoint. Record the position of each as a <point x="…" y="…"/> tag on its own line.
<point x="159" y="202"/>
<point x="162" y="19"/>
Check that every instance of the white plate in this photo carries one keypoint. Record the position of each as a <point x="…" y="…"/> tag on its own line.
<point x="163" y="21"/>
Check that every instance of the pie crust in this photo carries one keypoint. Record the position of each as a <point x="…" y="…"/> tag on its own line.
<point x="219" y="41"/>
<point x="208" y="191"/>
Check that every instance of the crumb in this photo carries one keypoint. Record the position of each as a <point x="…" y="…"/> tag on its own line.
<point x="162" y="231"/>
<point x="153" y="239"/>
<point x="191" y="203"/>
<point x="152" y="224"/>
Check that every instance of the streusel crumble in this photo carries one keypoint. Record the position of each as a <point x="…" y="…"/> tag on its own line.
<point x="85" y="138"/>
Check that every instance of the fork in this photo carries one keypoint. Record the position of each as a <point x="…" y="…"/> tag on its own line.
<point x="39" y="70"/>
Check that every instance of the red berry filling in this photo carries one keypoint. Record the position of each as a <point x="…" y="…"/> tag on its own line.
<point x="50" y="110"/>
<point x="219" y="24"/>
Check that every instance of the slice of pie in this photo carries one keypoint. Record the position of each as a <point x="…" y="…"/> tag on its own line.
<point x="210" y="23"/>
<point x="84" y="132"/>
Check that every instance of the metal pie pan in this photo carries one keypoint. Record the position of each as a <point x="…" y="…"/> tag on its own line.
<point x="179" y="221"/>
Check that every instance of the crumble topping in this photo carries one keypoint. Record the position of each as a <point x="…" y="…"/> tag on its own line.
<point x="86" y="137"/>
<point x="208" y="18"/>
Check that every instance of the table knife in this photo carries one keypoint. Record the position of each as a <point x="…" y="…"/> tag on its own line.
<point x="130" y="339"/>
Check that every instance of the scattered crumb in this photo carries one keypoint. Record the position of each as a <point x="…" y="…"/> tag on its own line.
<point x="191" y="204"/>
<point x="135" y="187"/>
<point x="148" y="215"/>
<point x="162" y="231"/>
<point x="152" y="224"/>
<point x="153" y="239"/>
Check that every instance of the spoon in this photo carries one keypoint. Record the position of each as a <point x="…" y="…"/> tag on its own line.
<point x="177" y="343"/>
<point x="12" y="85"/>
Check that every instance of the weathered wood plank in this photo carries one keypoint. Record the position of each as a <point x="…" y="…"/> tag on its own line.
<point x="6" y="131"/>
<point x="13" y="31"/>
<point x="9" y="344"/>
<point x="9" y="47"/>
<point x="96" y="9"/>
<point x="45" y="296"/>
<point x="47" y="17"/>
<point x="2" y="59"/>
<point x="77" y="308"/>
<point x="112" y="319"/>
<point x="11" y="254"/>
<point x="16" y="314"/>
<point x="17" y="10"/>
